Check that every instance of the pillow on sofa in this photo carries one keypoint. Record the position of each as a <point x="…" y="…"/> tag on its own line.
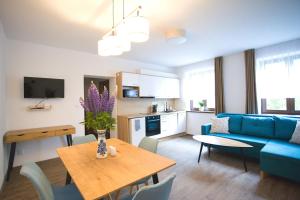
<point x="235" y="122"/>
<point x="296" y="135"/>
<point x="258" y="126"/>
<point x="219" y="125"/>
<point x="284" y="127"/>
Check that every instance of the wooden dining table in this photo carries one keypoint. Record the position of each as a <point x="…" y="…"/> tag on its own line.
<point x="96" y="178"/>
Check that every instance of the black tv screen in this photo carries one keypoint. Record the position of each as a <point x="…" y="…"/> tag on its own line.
<point x="44" y="87"/>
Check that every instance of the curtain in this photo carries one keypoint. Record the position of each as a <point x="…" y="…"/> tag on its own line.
<point x="219" y="88"/>
<point x="278" y="76"/>
<point x="251" y="97"/>
<point x="198" y="85"/>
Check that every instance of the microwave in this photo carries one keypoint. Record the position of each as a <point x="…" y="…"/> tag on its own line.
<point x="131" y="92"/>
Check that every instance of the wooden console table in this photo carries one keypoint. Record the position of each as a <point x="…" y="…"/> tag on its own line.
<point x="12" y="137"/>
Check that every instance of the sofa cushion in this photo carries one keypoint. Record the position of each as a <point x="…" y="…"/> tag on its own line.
<point x="284" y="127"/>
<point x="296" y="135"/>
<point x="235" y="122"/>
<point x="219" y="125"/>
<point x="281" y="158"/>
<point x="258" y="126"/>
<point x="283" y="149"/>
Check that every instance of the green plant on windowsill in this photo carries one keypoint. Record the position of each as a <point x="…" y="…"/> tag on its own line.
<point x="201" y="105"/>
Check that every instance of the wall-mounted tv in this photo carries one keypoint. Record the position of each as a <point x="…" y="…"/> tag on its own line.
<point x="43" y="87"/>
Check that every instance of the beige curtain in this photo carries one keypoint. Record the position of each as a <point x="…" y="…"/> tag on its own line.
<point x="219" y="88"/>
<point x="251" y="98"/>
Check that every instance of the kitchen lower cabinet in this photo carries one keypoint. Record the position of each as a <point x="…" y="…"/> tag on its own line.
<point x="181" y="122"/>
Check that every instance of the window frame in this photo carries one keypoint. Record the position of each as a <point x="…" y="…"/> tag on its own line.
<point x="290" y="107"/>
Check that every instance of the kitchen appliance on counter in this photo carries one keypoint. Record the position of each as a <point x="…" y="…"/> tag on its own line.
<point x="154" y="108"/>
<point x="130" y="92"/>
<point x="152" y="125"/>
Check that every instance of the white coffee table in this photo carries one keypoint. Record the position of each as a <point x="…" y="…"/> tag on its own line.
<point x="209" y="140"/>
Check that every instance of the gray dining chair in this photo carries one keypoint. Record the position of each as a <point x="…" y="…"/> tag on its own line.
<point x="148" y="144"/>
<point x="159" y="191"/>
<point x="84" y="139"/>
<point x="80" y="140"/>
<point x="45" y="190"/>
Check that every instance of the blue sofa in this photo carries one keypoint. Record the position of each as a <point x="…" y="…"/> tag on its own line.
<point x="269" y="135"/>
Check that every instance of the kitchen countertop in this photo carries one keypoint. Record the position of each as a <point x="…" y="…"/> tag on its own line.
<point x="130" y="116"/>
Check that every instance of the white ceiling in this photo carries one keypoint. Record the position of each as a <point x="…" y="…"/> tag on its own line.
<point x="213" y="27"/>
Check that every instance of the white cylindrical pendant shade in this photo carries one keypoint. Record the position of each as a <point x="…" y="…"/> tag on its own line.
<point x="122" y="32"/>
<point x="110" y="45"/>
<point x="137" y="29"/>
<point x="103" y="48"/>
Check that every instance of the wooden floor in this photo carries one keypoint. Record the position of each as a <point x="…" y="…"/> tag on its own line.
<point x="219" y="177"/>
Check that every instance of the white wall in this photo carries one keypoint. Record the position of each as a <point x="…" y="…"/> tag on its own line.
<point x="195" y="120"/>
<point x="3" y="157"/>
<point x="234" y="83"/>
<point x="27" y="59"/>
<point x="234" y="89"/>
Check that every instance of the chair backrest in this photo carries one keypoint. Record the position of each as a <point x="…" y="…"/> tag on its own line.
<point x="84" y="139"/>
<point x="149" y="144"/>
<point x="39" y="180"/>
<point x="160" y="191"/>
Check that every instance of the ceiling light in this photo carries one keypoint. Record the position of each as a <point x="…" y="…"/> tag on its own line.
<point x="137" y="28"/>
<point x="119" y="38"/>
<point x="175" y="36"/>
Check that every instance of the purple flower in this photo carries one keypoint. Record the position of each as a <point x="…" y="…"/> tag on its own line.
<point x="96" y="103"/>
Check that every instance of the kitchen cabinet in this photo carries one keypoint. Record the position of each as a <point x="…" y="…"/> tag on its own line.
<point x="130" y="79"/>
<point x="181" y="122"/>
<point x="168" y="124"/>
<point x="149" y="86"/>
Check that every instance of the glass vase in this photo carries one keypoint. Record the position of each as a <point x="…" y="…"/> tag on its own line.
<point x="102" y="149"/>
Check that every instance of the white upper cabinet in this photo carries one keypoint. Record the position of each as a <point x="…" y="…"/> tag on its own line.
<point x="159" y="87"/>
<point x="147" y="86"/>
<point x="130" y="79"/>
<point x="152" y="86"/>
<point x="170" y="88"/>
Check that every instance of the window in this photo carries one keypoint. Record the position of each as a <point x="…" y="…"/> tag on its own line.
<point x="199" y="86"/>
<point x="278" y="81"/>
<point x="280" y="106"/>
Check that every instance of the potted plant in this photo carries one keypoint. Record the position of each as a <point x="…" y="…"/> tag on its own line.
<point x="201" y="105"/>
<point x="98" y="108"/>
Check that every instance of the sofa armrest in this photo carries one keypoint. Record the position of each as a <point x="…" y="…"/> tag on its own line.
<point x="205" y="129"/>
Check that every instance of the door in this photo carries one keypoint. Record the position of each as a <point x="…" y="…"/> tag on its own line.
<point x="100" y="84"/>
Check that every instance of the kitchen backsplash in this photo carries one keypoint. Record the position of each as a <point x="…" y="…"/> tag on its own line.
<point x="136" y="106"/>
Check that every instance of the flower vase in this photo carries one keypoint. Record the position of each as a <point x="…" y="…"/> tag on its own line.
<point x="101" y="150"/>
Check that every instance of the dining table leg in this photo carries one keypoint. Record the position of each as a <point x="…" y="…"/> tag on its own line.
<point x="68" y="179"/>
<point x="155" y="178"/>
